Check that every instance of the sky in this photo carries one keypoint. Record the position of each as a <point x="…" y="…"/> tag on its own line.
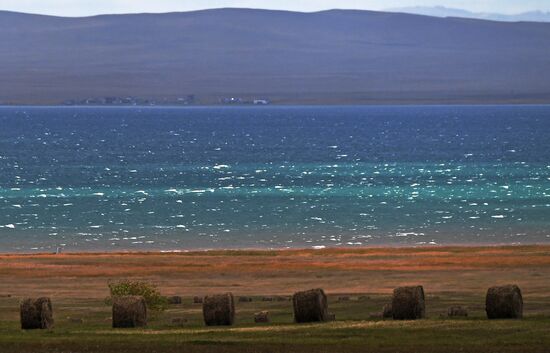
<point x="94" y="7"/>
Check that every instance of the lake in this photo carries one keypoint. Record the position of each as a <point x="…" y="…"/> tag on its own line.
<point x="171" y="179"/>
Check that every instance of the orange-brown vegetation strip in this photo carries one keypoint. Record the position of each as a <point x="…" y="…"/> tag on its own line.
<point x="394" y="259"/>
<point x="345" y="270"/>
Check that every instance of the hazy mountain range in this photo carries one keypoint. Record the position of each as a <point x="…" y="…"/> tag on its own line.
<point x="441" y="11"/>
<point x="333" y="57"/>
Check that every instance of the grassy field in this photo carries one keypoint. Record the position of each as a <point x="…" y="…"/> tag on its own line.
<point x="77" y="285"/>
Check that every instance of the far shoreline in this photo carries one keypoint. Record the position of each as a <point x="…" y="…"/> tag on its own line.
<point x="542" y="103"/>
<point x="257" y="251"/>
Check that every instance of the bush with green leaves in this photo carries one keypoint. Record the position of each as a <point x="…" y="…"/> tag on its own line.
<point x="155" y="301"/>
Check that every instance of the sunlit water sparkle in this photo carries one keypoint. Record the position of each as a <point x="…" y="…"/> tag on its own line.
<point x="272" y="177"/>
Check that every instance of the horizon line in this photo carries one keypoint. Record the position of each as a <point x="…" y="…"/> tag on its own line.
<point x="388" y="10"/>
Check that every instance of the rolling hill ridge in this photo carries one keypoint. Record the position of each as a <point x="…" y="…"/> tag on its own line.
<point x="332" y="57"/>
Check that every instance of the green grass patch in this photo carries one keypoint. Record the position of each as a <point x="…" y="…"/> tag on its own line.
<point x="83" y="326"/>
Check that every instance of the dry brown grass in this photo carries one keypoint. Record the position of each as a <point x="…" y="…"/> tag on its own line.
<point x="367" y="270"/>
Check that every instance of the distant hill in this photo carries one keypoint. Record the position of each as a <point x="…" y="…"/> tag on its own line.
<point x="333" y="57"/>
<point x="441" y="11"/>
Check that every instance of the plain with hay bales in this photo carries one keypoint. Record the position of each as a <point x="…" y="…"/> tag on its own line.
<point x="129" y="311"/>
<point x="36" y="314"/>
<point x="245" y="299"/>
<point x="504" y="302"/>
<point x="408" y="303"/>
<point x="310" y="306"/>
<point x="219" y="310"/>
<point x="457" y="285"/>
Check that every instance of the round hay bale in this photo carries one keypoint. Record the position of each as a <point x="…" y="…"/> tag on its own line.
<point x="262" y="317"/>
<point x="408" y="303"/>
<point x="197" y="300"/>
<point x="457" y="311"/>
<point x="310" y="306"/>
<point x="36" y="314"/>
<point x="344" y="299"/>
<point x="129" y="311"/>
<point x="219" y="310"/>
<point x="174" y="300"/>
<point x="267" y="299"/>
<point x="387" y="312"/>
<point x="245" y="299"/>
<point x="504" y="302"/>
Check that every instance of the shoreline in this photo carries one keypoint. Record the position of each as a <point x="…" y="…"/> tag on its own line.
<point x="542" y="103"/>
<point x="260" y="251"/>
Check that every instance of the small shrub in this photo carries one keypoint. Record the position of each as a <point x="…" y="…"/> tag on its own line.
<point x="155" y="301"/>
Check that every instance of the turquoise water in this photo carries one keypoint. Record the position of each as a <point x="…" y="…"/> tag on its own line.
<point x="272" y="177"/>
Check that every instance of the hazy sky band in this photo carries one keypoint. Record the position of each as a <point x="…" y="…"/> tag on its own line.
<point x="94" y="7"/>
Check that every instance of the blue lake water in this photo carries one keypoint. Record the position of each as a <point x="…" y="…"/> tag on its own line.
<point x="272" y="177"/>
